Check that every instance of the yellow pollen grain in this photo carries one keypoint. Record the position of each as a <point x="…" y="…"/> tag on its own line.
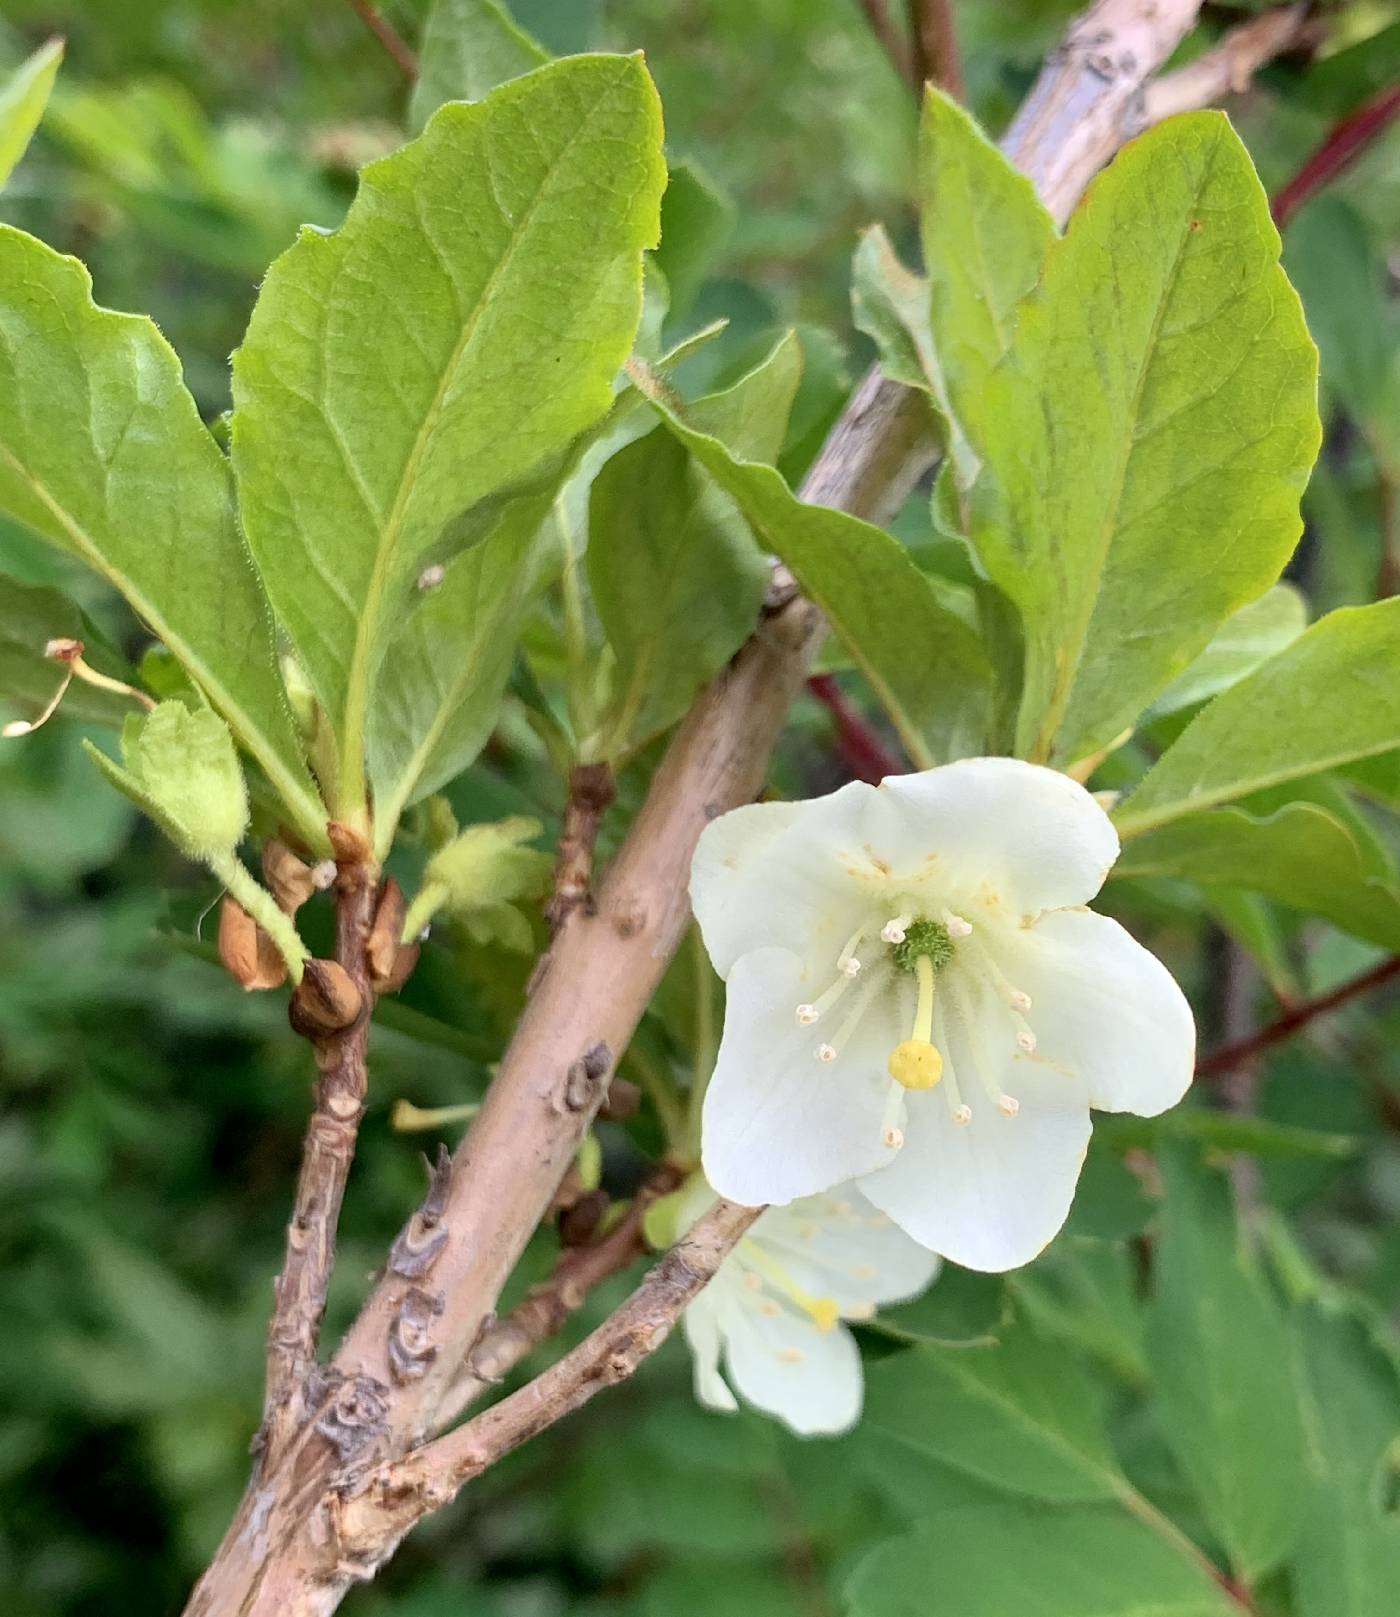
<point x="790" y="1355"/>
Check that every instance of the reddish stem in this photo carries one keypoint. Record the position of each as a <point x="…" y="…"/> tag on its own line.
<point x="1230" y="1056"/>
<point x="860" y="748"/>
<point x="1344" y="143"/>
<point x="383" y="30"/>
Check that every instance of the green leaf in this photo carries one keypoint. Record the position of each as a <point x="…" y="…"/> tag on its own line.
<point x="1146" y="440"/>
<point x="1348" y="1561"/>
<point x="889" y="303"/>
<point x="30" y="616"/>
<point x="923" y="662"/>
<point x="1331" y="697"/>
<point x="1018" y="1415"/>
<point x="1301" y="856"/>
<point x="697" y="220"/>
<point x="103" y="454"/>
<point x="1092" y="1561"/>
<point x="965" y="1309"/>
<point x="440" y="689"/>
<point x="675" y="576"/>
<point x="1258" y="631"/>
<point x="453" y="335"/>
<point x="468" y="48"/>
<point x="1086" y="1293"/>
<point x="1223" y="1373"/>
<point x="23" y="97"/>
<point x="1226" y="1131"/>
<point x="985" y="236"/>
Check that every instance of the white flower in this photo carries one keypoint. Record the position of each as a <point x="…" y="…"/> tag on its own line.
<point x="773" y="1311"/>
<point x="916" y="1001"/>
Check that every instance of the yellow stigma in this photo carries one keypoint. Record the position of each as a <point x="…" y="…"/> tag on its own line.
<point x="916" y="1064"/>
<point x="824" y="1312"/>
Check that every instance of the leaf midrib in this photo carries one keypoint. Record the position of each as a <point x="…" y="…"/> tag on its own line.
<point x="1063" y="688"/>
<point x="352" y="768"/>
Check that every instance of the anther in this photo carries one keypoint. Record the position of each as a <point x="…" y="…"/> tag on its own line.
<point x="1008" y="1105"/>
<point x="894" y="931"/>
<point x="891" y="1135"/>
<point x="850" y="965"/>
<point x="962" y="1115"/>
<point x="1019" y="1001"/>
<point x="893" y="1138"/>
<point x="1025" y="1042"/>
<point x="807" y="1014"/>
<point x="826" y="1052"/>
<point x="957" y="926"/>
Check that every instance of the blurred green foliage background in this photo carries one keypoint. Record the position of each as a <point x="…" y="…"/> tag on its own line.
<point x="152" y="1114"/>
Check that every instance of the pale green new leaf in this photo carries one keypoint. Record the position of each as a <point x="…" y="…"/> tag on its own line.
<point x="1329" y="698"/>
<point x="463" y="325"/>
<point x="102" y="452"/>
<point x="1302" y="856"/>
<point x="1255" y="633"/>
<point x="468" y="48"/>
<point x="1224" y="1376"/>
<point x="985" y="236"/>
<point x="23" y="97"/>
<point x="1146" y="441"/>
<point x="996" y="1560"/>
<point x="924" y="664"/>
<point x="675" y="576"/>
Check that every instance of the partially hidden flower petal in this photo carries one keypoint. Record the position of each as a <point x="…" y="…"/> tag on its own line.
<point x="778" y="1123"/>
<point x="772" y="875"/>
<point x="1108" y="1010"/>
<point x="701" y="1324"/>
<point x="1011" y="836"/>
<point x="837" y="1245"/>
<point x="990" y="1194"/>
<point x="782" y="1363"/>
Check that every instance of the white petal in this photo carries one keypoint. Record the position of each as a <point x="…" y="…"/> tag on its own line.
<point x="809" y="1378"/>
<point x="1107" y="1009"/>
<point x="778" y="1123"/>
<point x="778" y="875"/>
<point x="838" y="1245"/>
<point x="701" y="1324"/>
<point x="992" y="1193"/>
<point x="994" y="832"/>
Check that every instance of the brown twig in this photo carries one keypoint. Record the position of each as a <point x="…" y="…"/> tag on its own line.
<point x="591" y="792"/>
<point x="1343" y="144"/>
<point x="858" y="744"/>
<point x="547" y="1306"/>
<point x="1228" y="67"/>
<point x="891" y="41"/>
<point x="1241" y="1051"/>
<point x="384" y="31"/>
<point x="398" y="1494"/>
<point x="935" y="46"/>
<point x="331" y="1009"/>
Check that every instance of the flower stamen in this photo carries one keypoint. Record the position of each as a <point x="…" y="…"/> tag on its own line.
<point x="956" y="925"/>
<point x="891" y="1135"/>
<point x="894" y="931"/>
<point x="846" y="961"/>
